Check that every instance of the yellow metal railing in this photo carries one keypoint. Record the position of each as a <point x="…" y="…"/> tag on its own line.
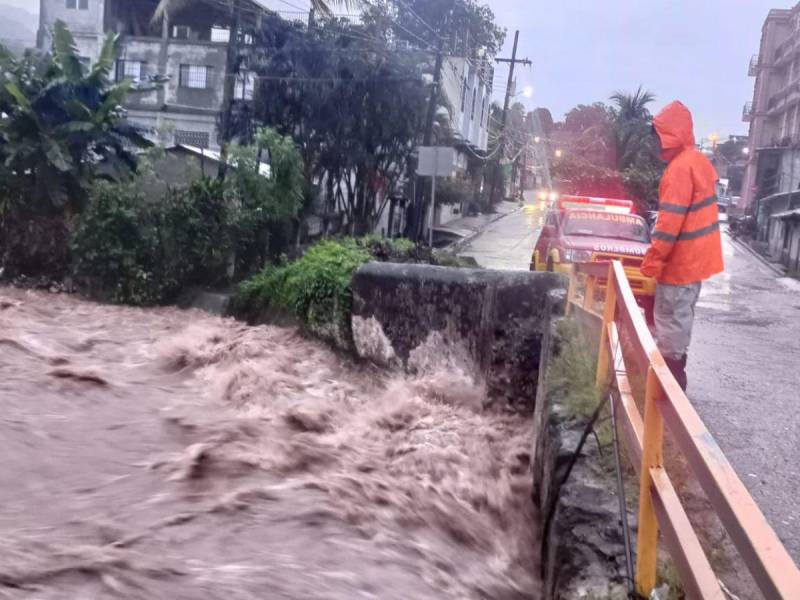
<point x="626" y="340"/>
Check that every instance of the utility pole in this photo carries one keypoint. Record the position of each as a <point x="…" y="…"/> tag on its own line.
<point x="229" y="86"/>
<point x="512" y="63"/>
<point x="427" y="136"/>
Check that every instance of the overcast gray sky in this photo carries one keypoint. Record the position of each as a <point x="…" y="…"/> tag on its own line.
<point x="583" y="50"/>
<point x="693" y="50"/>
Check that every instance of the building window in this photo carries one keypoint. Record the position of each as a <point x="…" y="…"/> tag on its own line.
<point x="181" y="32"/>
<point x="463" y="93"/>
<point x="129" y="69"/>
<point x="483" y="109"/>
<point x="474" y="98"/>
<point x="198" y="139"/>
<point x="220" y="35"/>
<point x="194" y="76"/>
<point x="80" y="4"/>
<point x="245" y="86"/>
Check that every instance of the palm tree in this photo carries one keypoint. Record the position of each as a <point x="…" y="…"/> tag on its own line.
<point x="634" y="144"/>
<point x="632" y="107"/>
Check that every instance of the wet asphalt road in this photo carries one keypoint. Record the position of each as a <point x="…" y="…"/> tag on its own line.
<point x="744" y="365"/>
<point x="744" y="380"/>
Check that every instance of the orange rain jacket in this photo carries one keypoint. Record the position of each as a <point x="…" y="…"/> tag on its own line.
<point x="686" y="245"/>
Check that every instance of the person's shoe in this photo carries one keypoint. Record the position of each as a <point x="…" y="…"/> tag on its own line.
<point x="678" y="368"/>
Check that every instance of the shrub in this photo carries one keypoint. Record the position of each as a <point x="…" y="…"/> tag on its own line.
<point x="133" y="251"/>
<point x="116" y="246"/>
<point x="315" y="288"/>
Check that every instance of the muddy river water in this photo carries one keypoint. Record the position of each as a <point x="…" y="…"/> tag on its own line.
<point x="163" y="453"/>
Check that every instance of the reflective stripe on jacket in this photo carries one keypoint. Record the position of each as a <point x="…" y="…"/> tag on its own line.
<point x="686" y="245"/>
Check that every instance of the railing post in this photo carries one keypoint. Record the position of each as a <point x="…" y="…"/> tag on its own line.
<point x="588" y="292"/>
<point x="608" y="316"/>
<point x="573" y="285"/>
<point x="652" y="449"/>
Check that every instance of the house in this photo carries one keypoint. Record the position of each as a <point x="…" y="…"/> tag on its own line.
<point x="467" y="88"/>
<point x="187" y="51"/>
<point x="772" y="174"/>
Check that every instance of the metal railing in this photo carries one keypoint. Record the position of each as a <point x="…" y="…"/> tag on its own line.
<point x="752" y="69"/>
<point x="625" y="341"/>
<point x="747" y="112"/>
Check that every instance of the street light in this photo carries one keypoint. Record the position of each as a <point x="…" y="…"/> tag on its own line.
<point x="745" y="150"/>
<point x="558" y="153"/>
<point x="528" y="91"/>
<point x="537" y="139"/>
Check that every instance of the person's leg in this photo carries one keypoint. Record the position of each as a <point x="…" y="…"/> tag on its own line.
<point x="674" y="318"/>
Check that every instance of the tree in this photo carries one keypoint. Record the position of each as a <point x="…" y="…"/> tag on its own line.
<point x="353" y="106"/>
<point x="610" y="151"/>
<point x="62" y="120"/>
<point x="469" y="27"/>
<point x="62" y="125"/>
<point x="632" y="107"/>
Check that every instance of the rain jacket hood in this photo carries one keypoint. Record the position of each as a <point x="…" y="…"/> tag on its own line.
<point x="674" y="127"/>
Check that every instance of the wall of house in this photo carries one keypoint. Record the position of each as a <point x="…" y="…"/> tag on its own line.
<point x="210" y="54"/>
<point x="462" y="85"/>
<point x="172" y="108"/>
<point x="161" y="127"/>
<point x="85" y="25"/>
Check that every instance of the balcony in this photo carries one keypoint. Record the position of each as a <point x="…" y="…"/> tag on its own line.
<point x="747" y="112"/>
<point x="752" y="70"/>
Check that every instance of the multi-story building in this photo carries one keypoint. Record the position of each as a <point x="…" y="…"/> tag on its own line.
<point x="467" y="87"/>
<point x="187" y="51"/>
<point x="771" y="188"/>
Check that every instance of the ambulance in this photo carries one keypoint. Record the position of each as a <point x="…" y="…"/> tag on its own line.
<point x="586" y="229"/>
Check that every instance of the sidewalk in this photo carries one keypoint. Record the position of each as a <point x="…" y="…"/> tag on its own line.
<point x="468" y="228"/>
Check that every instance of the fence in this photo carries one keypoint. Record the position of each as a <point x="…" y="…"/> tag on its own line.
<point x="624" y="336"/>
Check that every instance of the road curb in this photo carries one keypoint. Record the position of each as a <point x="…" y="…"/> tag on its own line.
<point x="460" y="244"/>
<point x="776" y="270"/>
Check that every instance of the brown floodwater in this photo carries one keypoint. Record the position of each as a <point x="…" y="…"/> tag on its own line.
<point x="163" y="453"/>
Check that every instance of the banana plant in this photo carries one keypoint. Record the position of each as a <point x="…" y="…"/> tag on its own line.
<point x="61" y="124"/>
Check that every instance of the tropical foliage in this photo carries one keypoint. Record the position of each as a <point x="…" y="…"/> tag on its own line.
<point x="315" y="289"/>
<point x="61" y="126"/>
<point x="141" y="250"/>
<point x="610" y="150"/>
<point x="353" y="106"/>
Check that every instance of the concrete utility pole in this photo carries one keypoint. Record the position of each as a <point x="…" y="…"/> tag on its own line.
<point x="428" y="135"/>
<point x="512" y="63"/>
<point x="229" y="86"/>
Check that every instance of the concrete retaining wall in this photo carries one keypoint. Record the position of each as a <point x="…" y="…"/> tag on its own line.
<point x="488" y="323"/>
<point x="582" y="546"/>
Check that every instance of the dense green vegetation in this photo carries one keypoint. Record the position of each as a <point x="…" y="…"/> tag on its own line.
<point x="610" y="151"/>
<point x="138" y="250"/>
<point x="315" y="289"/>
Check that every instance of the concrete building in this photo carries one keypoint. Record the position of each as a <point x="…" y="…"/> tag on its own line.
<point x="467" y="87"/>
<point x="187" y="50"/>
<point x="772" y="176"/>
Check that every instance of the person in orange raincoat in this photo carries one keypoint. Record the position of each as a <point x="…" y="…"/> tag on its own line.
<point x="686" y="247"/>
